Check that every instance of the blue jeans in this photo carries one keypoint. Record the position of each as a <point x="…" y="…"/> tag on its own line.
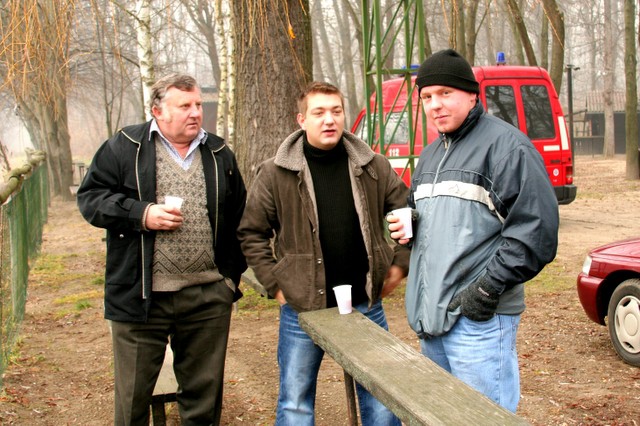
<point x="299" y="360"/>
<point x="481" y="354"/>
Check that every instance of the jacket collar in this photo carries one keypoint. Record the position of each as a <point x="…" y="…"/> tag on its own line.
<point x="140" y="133"/>
<point x="468" y="124"/>
<point x="290" y="154"/>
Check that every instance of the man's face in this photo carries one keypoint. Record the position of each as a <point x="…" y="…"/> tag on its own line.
<point x="323" y="121"/>
<point x="446" y="107"/>
<point x="180" y="115"/>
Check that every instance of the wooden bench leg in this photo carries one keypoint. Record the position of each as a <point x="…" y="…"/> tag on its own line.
<point x="352" y="409"/>
<point x="157" y="409"/>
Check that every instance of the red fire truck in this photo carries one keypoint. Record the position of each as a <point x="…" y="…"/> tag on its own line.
<point x="520" y="95"/>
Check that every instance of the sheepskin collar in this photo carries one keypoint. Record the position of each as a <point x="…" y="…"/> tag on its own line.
<point x="290" y="154"/>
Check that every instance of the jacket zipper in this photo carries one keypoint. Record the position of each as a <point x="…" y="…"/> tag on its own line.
<point x="215" y="165"/>
<point x="144" y="275"/>
<point x="447" y="144"/>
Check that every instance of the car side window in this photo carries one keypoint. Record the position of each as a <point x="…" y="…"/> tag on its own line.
<point x="537" y="112"/>
<point x="397" y="128"/>
<point x="501" y="102"/>
<point x="361" y="130"/>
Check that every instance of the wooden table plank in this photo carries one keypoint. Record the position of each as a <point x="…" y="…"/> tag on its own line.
<point x="408" y="383"/>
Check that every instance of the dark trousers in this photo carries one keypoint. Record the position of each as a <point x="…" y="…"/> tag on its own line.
<point x="197" y="320"/>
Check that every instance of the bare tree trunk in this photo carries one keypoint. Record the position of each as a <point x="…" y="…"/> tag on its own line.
<point x="470" y="30"/>
<point x="544" y="43"/>
<point x="517" y="41"/>
<point x="145" y="53"/>
<point x="489" y="34"/>
<point x="38" y="78"/>
<point x="631" y="75"/>
<point x="556" y="21"/>
<point x="208" y="19"/>
<point x="609" y="82"/>
<point x="231" y="121"/>
<point x="521" y="31"/>
<point x="457" y="37"/>
<point x="327" y="64"/>
<point x="355" y="20"/>
<point x="348" y="61"/>
<point x="389" y="46"/>
<point x="273" y="54"/>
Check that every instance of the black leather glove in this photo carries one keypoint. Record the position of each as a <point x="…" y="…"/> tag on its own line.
<point x="478" y="302"/>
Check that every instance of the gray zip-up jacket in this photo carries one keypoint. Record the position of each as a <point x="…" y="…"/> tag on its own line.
<point x="118" y="187"/>
<point x="486" y="208"/>
<point x="282" y="202"/>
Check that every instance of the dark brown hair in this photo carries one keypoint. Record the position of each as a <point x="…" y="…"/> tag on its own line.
<point x="317" y="87"/>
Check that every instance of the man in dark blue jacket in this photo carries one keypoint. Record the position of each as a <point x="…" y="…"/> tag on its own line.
<point x="488" y="222"/>
<point x="172" y="271"/>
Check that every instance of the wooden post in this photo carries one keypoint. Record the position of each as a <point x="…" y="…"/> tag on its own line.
<point x="352" y="410"/>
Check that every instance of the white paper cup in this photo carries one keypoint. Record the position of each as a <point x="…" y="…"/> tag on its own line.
<point x="343" y="297"/>
<point x="404" y="214"/>
<point x="171" y="201"/>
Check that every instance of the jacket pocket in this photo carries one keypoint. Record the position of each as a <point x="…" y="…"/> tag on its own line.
<point x="294" y="275"/>
<point x="382" y="258"/>
<point x="123" y="253"/>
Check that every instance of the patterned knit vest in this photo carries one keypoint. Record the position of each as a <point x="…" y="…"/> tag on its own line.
<point x="184" y="257"/>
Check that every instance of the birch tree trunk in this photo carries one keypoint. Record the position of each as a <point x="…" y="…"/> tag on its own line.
<point x="223" y="89"/>
<point x="145" y="53"/>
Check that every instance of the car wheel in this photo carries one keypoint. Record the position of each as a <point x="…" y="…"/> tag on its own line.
<point x="624" y="321"/>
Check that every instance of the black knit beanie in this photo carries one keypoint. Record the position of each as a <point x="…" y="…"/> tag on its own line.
<point x="447" y="68"/>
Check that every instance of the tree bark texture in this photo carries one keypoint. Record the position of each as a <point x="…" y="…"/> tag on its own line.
<point x="556" y="21"/>
<point x="273" y="63"/>
<point x="521" y="31"/>
<point x="145" y="54"/>
<point x="609" y="82"/>
<point x="631" y="75"/>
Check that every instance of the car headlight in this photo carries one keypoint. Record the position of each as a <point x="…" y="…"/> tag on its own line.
<point x="586" y="266"/>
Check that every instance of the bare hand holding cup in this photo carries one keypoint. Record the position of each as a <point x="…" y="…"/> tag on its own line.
<point x="165" y="217"/>
<point x="400" y="225"/>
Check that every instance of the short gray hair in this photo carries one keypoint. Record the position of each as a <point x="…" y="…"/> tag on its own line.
<point x="179" y="81"/>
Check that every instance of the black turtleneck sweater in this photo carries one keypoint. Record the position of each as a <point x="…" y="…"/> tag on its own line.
<point x="343" y="250"/>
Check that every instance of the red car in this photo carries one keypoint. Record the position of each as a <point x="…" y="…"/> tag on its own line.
<point x="609" y="286"/>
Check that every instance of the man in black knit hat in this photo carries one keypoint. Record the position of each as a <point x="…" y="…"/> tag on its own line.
<point x="488" y="222"/>
<point x="324" y="196"/>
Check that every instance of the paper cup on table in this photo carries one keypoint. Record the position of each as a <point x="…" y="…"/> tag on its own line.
<point x="343" y="297"/>
<point x="173" y="201"/>
<point x="404" y="215"/>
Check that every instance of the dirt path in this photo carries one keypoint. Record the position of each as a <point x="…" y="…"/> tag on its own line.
<point x="61" y="373"/>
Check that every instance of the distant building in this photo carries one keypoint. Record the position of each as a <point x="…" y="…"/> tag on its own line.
<point x="589" y="124"/>
<point x="209" y="108"/>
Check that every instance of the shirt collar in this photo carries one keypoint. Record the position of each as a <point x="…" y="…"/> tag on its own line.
<point x="200" y="139"/>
